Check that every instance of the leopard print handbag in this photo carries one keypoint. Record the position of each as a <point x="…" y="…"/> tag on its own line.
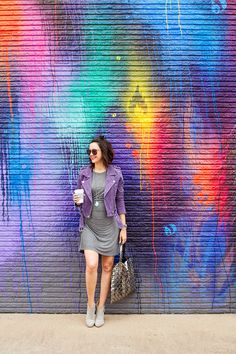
<point x="122" y="278"/>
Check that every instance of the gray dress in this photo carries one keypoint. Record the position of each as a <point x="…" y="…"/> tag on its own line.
<point x="100" y="233"/>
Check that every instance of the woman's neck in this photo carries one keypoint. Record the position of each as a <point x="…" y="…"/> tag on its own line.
<point x="99" y="167"/>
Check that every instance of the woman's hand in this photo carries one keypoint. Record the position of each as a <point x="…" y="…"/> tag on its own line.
<point x="123" y="236"/>
<point x="77" y="200"/>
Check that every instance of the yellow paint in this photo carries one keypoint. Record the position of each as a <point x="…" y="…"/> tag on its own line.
<point x="139" y="105"/>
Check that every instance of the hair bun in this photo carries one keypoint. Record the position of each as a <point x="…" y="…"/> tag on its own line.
<point x="102" y="137"/>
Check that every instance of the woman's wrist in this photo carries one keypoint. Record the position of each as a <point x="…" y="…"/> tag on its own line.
<point x="124" y="226"/>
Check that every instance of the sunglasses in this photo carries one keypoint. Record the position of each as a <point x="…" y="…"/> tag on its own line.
<point x="94" y="151"/>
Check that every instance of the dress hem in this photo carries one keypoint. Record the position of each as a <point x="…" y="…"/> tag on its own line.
<point x="102" y="254"/>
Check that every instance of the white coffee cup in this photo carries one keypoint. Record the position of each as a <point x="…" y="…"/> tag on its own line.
<point x="80" y="193"/>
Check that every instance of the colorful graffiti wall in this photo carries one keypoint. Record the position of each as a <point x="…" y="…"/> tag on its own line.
<point x="157" y="77"/>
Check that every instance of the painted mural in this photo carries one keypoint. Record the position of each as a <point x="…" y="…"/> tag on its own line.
<point x="157" y="77"/>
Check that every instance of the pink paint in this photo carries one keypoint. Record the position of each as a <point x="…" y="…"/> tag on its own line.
<point x="34" y="67"/>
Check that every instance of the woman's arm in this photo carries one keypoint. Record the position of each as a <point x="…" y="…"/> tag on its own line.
<point x="120" y="202"/>
<point x="123" y="220"/>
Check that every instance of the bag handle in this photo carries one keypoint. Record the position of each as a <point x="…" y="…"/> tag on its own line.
<point x="122" y="251"/>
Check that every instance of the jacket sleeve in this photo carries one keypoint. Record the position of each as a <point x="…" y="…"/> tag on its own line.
<point x="79" y="186"/>
<point x="120" y="202"/>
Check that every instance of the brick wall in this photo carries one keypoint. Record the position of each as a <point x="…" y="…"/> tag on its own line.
<point x="158" y="79"/>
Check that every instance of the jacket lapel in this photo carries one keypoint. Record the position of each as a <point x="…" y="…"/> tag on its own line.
<point x="109" y="179"/>
<point x="87" y="182"/>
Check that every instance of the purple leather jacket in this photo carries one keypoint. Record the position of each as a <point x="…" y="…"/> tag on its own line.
<point x="113" y="193"/>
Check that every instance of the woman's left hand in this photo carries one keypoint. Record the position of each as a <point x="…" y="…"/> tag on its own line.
<point x="123" y="236"/>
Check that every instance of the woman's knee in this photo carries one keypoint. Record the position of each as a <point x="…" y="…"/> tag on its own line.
<point x="107" y="264"/>
<point x="91" y="267"/>
<point x="91" y="261"/>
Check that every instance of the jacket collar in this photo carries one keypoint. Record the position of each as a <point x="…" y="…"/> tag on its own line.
<point x="88" y="171"/>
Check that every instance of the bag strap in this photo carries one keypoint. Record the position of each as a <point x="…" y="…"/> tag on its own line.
<point x="122" y="251"/>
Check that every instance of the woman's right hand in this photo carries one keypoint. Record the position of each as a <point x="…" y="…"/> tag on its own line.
<point x="77" y="200"/>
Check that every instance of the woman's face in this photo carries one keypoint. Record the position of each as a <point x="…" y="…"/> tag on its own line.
<point x="95" y="148"/>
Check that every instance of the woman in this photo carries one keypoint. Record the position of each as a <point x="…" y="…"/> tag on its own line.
<point x="102" y="222"/>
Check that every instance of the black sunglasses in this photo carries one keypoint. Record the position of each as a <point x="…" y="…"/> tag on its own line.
<point x="94" y="151"/>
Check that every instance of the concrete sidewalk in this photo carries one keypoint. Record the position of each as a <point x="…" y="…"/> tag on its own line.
<point x="164" y="334"/>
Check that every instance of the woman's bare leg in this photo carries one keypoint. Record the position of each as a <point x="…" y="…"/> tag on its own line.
<point x="107" y="265"/>
<point x="92" y="259"/>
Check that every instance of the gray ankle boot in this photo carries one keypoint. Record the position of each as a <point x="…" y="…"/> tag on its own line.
<point x="90" y="316"/>
<point x="99" y="315"/>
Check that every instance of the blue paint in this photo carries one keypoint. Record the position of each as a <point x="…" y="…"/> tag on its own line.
<point x="218" y="6"/>
<point x="170" y="229"/>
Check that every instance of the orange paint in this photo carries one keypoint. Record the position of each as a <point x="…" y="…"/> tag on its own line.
<point x="135" y="153"/>
<point x="10" y="17"/>
<point x="128" y="145"/>
<point x="9" y="84"/>
<point x="10" y="21"/>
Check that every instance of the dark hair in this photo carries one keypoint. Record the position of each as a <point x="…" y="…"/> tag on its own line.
<point x="106" y="149"/>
